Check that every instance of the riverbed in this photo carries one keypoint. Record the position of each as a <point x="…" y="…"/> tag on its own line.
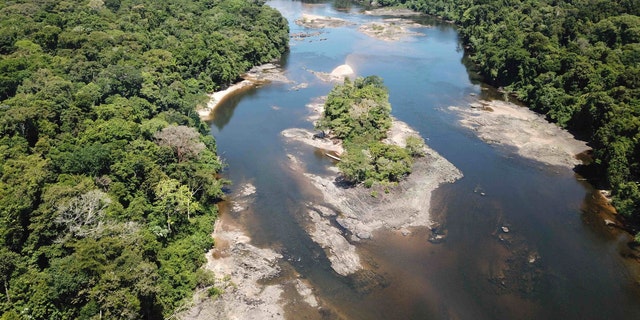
<point x="521" y="238"/>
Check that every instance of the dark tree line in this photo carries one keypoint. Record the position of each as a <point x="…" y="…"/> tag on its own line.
<point x="576" y="61"/>
<point x="108" y="179"/>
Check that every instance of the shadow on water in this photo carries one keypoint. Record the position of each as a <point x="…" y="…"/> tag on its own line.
<point x="523" y="241"/>
<point x="222" y="115"/>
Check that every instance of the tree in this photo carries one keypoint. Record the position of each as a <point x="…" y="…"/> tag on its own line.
<point x="359" y="108"/>
<point x="89" y="181"/>
<point x="175" y="200"/>
<point x="359" y="113"/>
<point x="415" y="146"/>
<point x="83" y="216"/>
<point x="183" y="140"/>
<point x="8" y="262"/>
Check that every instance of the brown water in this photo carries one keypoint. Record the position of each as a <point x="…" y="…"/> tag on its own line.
<point x="558" y="260"/>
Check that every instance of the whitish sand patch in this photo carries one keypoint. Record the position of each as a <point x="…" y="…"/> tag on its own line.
<point x="260" y="74"/>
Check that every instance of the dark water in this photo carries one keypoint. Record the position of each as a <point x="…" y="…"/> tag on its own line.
<point x="558" y="261"/>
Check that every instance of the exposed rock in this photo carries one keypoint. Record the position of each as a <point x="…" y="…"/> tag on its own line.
<point x="317" y="22"/>
<point x="394" y="12"/>
<point x="306" y="136"/>
<point x="533" y="137"/>
<point x="304" y="35"/>
<point x="343" y="256"/>
<point x="299" y="86"/>
<point x="338" y="74"/>
<point x="266" y="73"/>
<point x="244" y="198"/>
<point x="305" y="291"/>
<point x="402" y="206"/>
<point x="391" y="29"/>
<point x="240" y="267"/>
<point x="247" y="190"/>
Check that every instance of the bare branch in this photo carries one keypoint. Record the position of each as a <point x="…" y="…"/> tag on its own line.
<point x="185" y="141"/>
<point x="83" y="216"/>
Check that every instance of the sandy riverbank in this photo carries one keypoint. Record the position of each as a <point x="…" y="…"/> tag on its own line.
<point x="257" y="75"/>
<point x="256" y="283"/>
<point x="528" y="133"/>
<point x="362" y="211"/>
<point x="216" y="98"/>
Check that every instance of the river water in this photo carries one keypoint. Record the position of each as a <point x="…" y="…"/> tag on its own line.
<point x="558" y="259"/>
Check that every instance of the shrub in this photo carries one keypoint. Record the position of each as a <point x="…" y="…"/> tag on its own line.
<point x="415" y="146"/>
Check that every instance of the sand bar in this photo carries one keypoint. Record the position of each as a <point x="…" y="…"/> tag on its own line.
<point x="529" y="133"/>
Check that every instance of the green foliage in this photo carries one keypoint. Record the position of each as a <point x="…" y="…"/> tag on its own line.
<point x="359" y="113"/>
<point x="108" y="181"/>
<point x="415" y="146"/>
<point x="214" y="292"/>
<point x="358" y="109"/>
<point x="576" y="61"/>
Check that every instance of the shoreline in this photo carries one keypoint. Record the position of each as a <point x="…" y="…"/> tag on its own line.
<point x="257" y="75"/>
<point x="253" y="282"/>
<point x="217" y="97"/>
<point x="392" y="12"/>
<point x="347" y="215"/>
<point x="394" y="28"/>
<point x="531" y="136"/>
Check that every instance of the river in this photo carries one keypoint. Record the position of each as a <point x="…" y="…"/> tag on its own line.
<point x="558" y="260"/>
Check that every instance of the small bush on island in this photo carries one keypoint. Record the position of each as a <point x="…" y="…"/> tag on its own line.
<point x="359" y="113"/>
<point x="415" y="146"/>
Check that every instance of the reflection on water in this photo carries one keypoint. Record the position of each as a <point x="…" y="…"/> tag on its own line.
<point x="523" y="241"/>
<point x="222" y="116"/>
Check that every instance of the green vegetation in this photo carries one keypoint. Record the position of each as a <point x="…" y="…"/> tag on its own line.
<point x="107" y="176"/>
<point x="359" y="113"/>
<point x="576" y="61"/>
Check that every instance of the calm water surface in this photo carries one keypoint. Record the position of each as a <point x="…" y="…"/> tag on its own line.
<point x="557" y="261"/>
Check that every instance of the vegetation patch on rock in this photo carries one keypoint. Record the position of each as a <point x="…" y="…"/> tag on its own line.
<point x="358" y="112"/>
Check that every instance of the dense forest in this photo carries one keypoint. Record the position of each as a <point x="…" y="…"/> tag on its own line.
<point x="576" y="61"/>
<point x="358" y="113"/>
<point x="108" y="179"/>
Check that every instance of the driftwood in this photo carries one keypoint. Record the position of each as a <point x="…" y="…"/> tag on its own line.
<point x="332" y="156"/>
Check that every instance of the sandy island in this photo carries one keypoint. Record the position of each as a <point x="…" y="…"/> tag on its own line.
<point x="362" y="211"/>
<point x="392" y="12"/>
<point x="391" y="29"/>
<point x="318" y="22"/>
<point x="532" y="136"/>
